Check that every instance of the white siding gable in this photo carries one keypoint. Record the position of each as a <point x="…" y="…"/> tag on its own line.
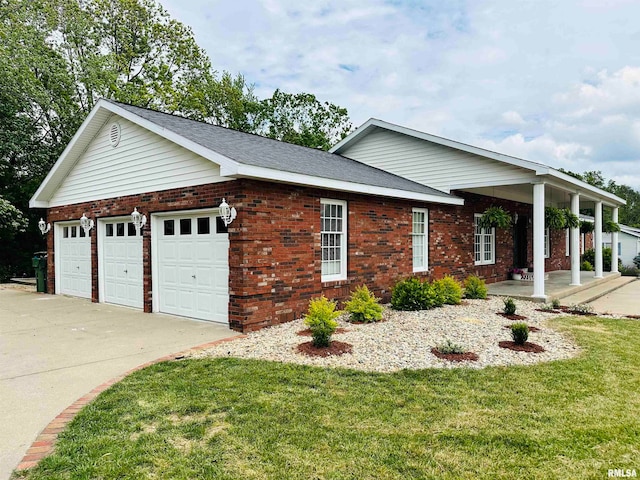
<point x="437" y="166"/>
<point x="142" y="162"/>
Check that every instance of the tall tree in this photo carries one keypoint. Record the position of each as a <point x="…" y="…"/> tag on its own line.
<point x="302" y="119"/>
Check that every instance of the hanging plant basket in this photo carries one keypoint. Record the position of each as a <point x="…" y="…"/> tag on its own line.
<point x="586" y="227"/>
<point x="570" y="220"/>
<point x="554" y="218"/>
<point x="610" y="226"/>
<point x="495" y="217"/>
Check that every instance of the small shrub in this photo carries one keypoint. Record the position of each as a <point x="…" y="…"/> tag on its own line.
<point x="410" y="294"/>
<point x="509" y="306"/>
<point x="629" y="271"/>
<point x="474" y="287"/>
<point x="547" y="307"/>
<point x="450" y="347"/>
<point x="636" y="261"/>
<point x="590" y="256"/>
<point x="581" y="309"/>
<point x="450" y="290"/>
<point x="555" y="303"/>
<point x="586" y="266"/>
<point x="321" y="320"/>
<point x="519" y="333"/>
<point x="363" y="306"/>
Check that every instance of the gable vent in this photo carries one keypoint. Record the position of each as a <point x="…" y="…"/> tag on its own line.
<point x="114" y="134"/>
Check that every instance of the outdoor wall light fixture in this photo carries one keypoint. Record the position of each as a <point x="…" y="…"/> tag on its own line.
<point x="227" y="213"/>
<point x="44" y="227"/>
<point x="138" y="220"/>
<point x="86" y="224"/>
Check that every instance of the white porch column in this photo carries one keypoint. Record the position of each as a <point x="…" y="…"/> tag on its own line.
<point x="614" y="244"/>
<point x="575" y="241"/>
<point x="538" y="241"/>
<point x="597" y="240"/>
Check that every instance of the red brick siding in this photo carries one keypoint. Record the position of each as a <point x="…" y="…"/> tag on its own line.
<point x="274" y="253"/>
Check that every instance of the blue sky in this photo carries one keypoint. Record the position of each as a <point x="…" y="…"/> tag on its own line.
<point x="551" y="81"/>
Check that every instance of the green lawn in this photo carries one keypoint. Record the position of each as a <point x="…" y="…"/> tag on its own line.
<point x="230" y="418"/>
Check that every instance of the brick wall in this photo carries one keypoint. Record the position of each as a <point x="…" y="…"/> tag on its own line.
<point x="274" y="254"/>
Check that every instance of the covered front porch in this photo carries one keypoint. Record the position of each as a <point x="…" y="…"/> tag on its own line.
<point x="557" y="285"/>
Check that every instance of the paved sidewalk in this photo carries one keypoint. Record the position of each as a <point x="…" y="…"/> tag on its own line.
<point x="623" y="301"/>
<point x="55" y="349"/>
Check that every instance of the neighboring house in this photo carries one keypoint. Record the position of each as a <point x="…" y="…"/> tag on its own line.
<point x="308" y="222"/>
<point x="628" y="246"/>
<point x="485" y="178"/>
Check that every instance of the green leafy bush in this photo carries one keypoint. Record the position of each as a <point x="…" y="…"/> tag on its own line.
<point x="509" y="306"/>
<point x="586" y="266"/>
<point x="410" y="294"/>
<point x="363" y="306"/>
<point x="321" y="320"/>
<point x="450" y="347"/>
<point x="629" y="271"/>
<point x="519" y="333"/>
<point x="474" y="287"/>
<point x="555" y="303"/>
<point x="636" y="261"/>
<point x="449" y="289"/>
<point x="547" y="307"/>
<point x="590" y="256"/>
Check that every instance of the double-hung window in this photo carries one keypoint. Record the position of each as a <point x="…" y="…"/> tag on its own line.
<point x="484" y="244"/>
<point x="420" y="239"/>
<point x="333" y="239"/>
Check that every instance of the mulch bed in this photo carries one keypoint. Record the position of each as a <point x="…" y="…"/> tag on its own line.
<point x="527" y="347"/>
<point x="635" y="317"/>
<point x="531" y="329"/>
<point x="512" y="317"/>
<point x="456" y="357"/>
<point x="307" y="332"/>
<point x="549" y="311"/>
<point x="366" y="323"/>
<point x="335" y="348"/>
<point x="573" y="312"/>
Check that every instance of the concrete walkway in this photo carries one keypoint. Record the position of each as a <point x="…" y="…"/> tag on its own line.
<point x="623" y="301"/>
<point x="54" y="349"/>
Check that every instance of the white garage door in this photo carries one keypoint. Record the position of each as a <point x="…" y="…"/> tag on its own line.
<point x="192" y="266"/>
<point x="73" y="261"/>
<point x="120" y="260"/>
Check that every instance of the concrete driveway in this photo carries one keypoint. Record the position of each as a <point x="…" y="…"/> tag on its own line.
<point x="55" y="349"/>
<point x="623" y="301"/>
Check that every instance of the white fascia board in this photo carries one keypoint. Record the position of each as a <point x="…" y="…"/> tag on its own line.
<point x="538" y="168"/>
<point x="261" y="173"/>
<point x="226" y="164"/>
<point x="596" y="193"/>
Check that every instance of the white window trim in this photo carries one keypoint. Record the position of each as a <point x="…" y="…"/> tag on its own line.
<point x="547" y="242"/>
<point x="568" y="242"/>
<point x="425" y="252"/>
<point x="484" y="233"/>
<point x="343" y="241"/>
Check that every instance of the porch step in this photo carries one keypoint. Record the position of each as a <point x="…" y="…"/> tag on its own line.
<point x="595" y="291"/>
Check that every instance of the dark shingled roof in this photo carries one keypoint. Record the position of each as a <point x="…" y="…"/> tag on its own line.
<point x="250" y="149"/>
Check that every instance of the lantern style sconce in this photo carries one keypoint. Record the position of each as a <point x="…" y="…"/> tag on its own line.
<point x="44" y="227"/>
<point x="228" y="214"/>
<point x="138" y="220"/>
<point x="86" y="224"/>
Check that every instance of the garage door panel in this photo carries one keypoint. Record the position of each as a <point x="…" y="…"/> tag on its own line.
<point x="192" y="265"/>
<point x="122" y="263"/>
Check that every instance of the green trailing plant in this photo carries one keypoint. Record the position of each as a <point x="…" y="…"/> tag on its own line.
<point x="554" y="218"/>
<point x="509" y="306"/>
<point x="449" y="347"/>
<point x="474" y="287"/>
<point x="449" y="289"/>
<point x="610" y="226"/>
<point x="321" y="320"/>
<point x="555" y="303"/>
<point x="519" y="333"/>
<point x="586" y="227"/>
<point x="570" y="220"/>
<point x="496" y="217"/>
<point x="586" y="266"/>
<point x="363" y="306"/>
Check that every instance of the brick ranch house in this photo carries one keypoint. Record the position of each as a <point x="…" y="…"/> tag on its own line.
<point x="308" y="222"/>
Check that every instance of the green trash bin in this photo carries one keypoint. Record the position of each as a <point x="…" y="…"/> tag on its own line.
<point x="39" y="263"/>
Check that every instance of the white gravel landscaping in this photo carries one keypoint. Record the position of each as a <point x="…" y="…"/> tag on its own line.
<point x="404" y="339"/>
